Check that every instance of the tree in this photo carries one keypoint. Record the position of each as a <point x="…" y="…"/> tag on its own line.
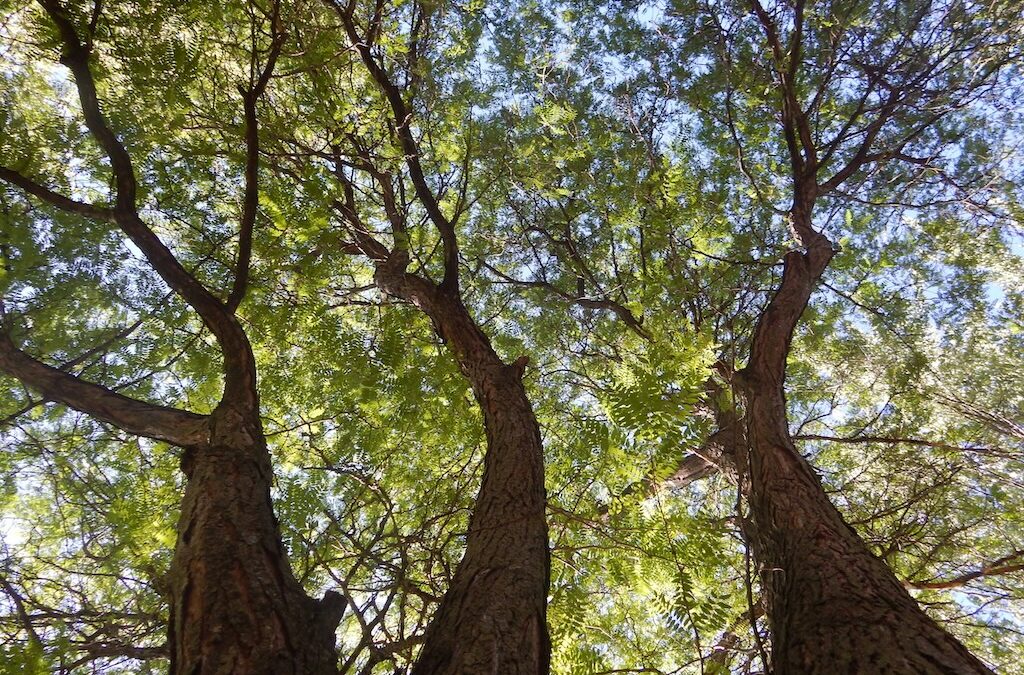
<point x="229" y="571"/>
<point x="831" y="603"/>
<point x="235" y="604"/>
<point x="849" y="103"/>
<point x="493" y="616"/>
<point x="649" y="201"/>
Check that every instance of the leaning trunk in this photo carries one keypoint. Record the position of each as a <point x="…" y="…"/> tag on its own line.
<point x="236" y="606"/>
<point x="833" y="606"/>
<point x="493" y="617"/>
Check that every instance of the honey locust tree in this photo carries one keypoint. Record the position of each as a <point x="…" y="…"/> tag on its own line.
<point x="902" y="118"/>
<point x="397" y="200"/>
<point x="235" y="603"/>
<point x="337" y="186"/>
<point x="851" y="106"/>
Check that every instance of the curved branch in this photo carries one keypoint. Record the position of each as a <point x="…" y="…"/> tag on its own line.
<point x="54" y="198"/>
<point x="625" y="314"/>
<point x="250" y="201"/>
<point x="239" y="365"/>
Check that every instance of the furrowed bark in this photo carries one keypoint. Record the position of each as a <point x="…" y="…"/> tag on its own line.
<point x="832" y="605"/>
<point x="493" y="617"/>
<point x="236" y="607"/>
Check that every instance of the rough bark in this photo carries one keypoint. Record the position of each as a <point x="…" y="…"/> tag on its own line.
<point x="833" y="606"/>
<point x="236" y="607"/>
<point x="493" y="619"/>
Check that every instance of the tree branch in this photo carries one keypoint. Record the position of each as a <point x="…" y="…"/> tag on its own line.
<point x="402" y="118"/>
<point x="172" y="425"/>
<point x="250" y="202"/>
<point x="54" y="198"/>
<point x="997" y="567"/>
<point x="903" y="441"/>
<point x="239" y="366"/>
<point x="794" y="123"/>
<point x="624" y="313"/>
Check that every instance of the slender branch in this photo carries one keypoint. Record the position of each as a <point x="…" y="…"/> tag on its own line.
<point x="364" y="240"/>
<point x="19" y="608"/>
<point x="620" y="310"/>
<point x="76" y="58"/>
<point x="250" y="202"/>
<point x="99" y="649"/>
<point x="794" y="124"/>
<point x="861" y="156"/>
<point x="402" y="118"/>
<point x="54" y="198"/>
<point x="1004" y="565"/>
<point x="902" y="441"/>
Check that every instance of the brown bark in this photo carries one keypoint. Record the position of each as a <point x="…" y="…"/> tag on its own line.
<point x="1005" y="565"/>
<point x="833" y="606"/>
<point x="720" y="450"/>
<point x="236" y="608"/>
<point x="493" y="617"/>
<point x="164" y="423"/>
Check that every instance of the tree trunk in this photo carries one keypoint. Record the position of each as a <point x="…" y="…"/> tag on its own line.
<point x="833" y="606"/>
<point x="236" y="606"/>
<point x="493" y="619"/>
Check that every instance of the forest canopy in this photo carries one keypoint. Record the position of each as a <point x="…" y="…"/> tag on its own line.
<point x="542" y="336"/>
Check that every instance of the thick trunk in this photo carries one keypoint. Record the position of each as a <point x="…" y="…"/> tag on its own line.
<point x="833" y="606"/>
<point x="236" y="607"/>
<point x="493" y="619"/>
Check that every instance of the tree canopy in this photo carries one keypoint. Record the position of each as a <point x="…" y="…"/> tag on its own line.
<point x="554" y="326"/>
